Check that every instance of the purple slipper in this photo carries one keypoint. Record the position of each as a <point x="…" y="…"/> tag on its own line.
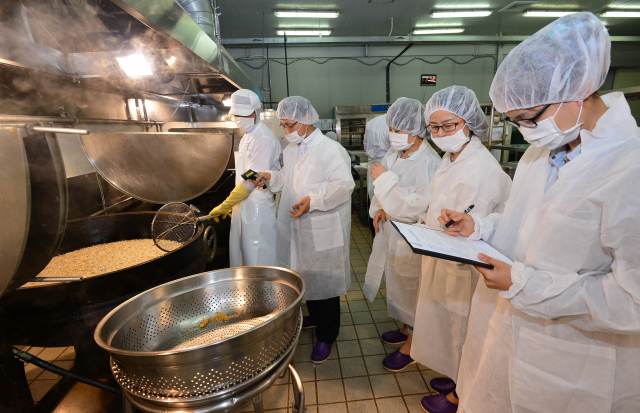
<point x="438" y="404"/>
<point x="443" y="385"/>
<point x="397" y="361"/>
<point x="306" y="323"/>
<point x="394" y="337"/>
<point x="321" y="352"/>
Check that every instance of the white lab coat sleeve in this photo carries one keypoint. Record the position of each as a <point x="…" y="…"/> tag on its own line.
<point x="607" y="301"/>
<point x="340" y="184"/>
<point x="398" y="201"/>
<point x="485" y="227"/>
<point x="276" y="183"/>
<point x="374" y="207"/>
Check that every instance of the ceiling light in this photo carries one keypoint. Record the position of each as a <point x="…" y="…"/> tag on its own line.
<point x="439" y="30"/>
<point x="308" y="14"/>
<point x="226" y="99"/>
<point x="134" y="65"/>
<point x="304" y="32"/>
<point x="620" y="13"/>
<point x="171" y="60"/>
<point x="460" y="13"/>
<point x="547" y="13"/>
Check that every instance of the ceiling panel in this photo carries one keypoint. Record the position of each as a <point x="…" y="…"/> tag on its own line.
<point x="255" y="18"/>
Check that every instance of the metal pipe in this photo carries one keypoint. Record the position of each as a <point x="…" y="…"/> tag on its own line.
<point x="22" y="119"/>
<point x="269" y="78"/>
<point x="286" y="62"/>
<point x="298" y="391"/>
<point x="30" y="358"/>
<point x="61" y="130"/>
<point x="51" y="279"/>
<point x="110" y="207"/>
<point x="35" y="119"/>
<point x="389" y="66"/>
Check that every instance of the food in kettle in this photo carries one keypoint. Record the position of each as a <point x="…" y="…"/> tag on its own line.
<point x="100" y="259"/>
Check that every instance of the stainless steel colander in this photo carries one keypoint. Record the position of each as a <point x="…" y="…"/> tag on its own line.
<point x="161" y="353"/>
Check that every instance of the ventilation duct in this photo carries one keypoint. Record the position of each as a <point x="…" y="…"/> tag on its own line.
<point x="201" y="11"/>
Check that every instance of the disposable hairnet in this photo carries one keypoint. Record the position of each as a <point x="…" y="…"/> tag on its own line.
<point x="407" y="115"/>
<point x="463" y="103"/>
<point x="298" y="109"/>
<point x="376" y="137"/>
<point x="565" y="61"/>
<point x="332" y="135"/>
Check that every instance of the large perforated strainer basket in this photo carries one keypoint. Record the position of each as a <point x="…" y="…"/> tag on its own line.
<point x="168" y="346"/>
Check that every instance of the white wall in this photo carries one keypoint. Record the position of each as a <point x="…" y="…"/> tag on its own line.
<point x="347" y="82"/>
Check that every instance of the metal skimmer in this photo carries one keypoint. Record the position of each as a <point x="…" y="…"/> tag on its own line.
<point x="174" y="224"/>
<point x="161" y="353"/>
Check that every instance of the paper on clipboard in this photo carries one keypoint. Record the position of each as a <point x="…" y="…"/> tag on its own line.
<point x="436" y="243"/>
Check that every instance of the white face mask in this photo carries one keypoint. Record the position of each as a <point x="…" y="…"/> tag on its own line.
<point x="399" y="141"/>
<point x="548" y="135"/>
<point x="294" y="137"/>
<point x="452" y="143"/>
<point x="245" y="124"/>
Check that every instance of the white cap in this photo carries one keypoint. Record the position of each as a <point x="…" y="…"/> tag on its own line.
<point x="244" y="102"/>
<point x="332" y="135"/>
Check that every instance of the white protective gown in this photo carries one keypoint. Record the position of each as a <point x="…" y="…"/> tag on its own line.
<point x="565" y="338"/>
<point x="474" y="178"/>
<point x="376" y="144"/>
<point x="253" y="221"/>
<point x="316" y="245"/>
<point x="403" y="192"/>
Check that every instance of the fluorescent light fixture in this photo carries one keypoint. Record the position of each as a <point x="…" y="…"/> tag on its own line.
<point x="460" y="13"/>
<point x="620" y="13"/>
<point x="547" y="13"/>
<point x="226" y="99"/>
<point x="439" y="30"/>
<point x="304" y="32"/>
<point x="308" y="14"/>
<point x="134" y="65"/>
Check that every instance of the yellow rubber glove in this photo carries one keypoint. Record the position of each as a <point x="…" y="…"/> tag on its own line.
<point x="239" y="194"/>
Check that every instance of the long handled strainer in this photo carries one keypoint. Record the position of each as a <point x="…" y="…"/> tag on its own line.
<point x="174" y="224"/>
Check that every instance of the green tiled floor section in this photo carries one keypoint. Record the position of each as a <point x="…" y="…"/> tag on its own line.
<point x="352" y="380"/>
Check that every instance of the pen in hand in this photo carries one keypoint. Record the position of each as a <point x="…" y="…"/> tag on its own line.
<point x="466" y="211"/>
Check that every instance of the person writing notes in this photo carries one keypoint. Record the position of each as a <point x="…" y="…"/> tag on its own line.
<point x="468" y="177"/>
<point x="559" y="331"/>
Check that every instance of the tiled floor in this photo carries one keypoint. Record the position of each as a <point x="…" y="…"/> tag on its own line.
<point x="41" y="381"/>
<point x="352" y="380"/>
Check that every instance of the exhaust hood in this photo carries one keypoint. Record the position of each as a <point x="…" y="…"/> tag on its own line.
<point x="82" y="40"/>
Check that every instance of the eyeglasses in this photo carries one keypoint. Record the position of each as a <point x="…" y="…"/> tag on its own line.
<point x="447" y="127"/>
<point x="527" y="123"/>
<point x="288" y="127"/>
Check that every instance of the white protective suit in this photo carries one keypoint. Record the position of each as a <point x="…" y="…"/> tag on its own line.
<point x="566" y="336"/>
<point x="253" y="221"/>
<point x="316" y="245"/>
<point x="404" y="193"/>
<point x="376" y="144"/>
<point x="474" y="178"/>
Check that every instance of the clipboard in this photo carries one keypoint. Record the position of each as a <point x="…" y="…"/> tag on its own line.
<point x="439" y="242"/>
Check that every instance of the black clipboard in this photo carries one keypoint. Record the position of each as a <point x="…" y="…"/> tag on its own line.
<point x="439" y="255"/>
